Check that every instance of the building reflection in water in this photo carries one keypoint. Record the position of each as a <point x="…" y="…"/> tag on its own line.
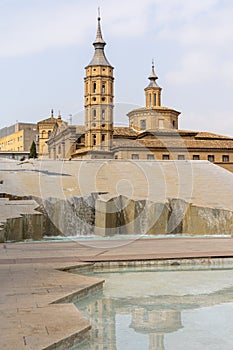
<point x="151" y="316"/>
<point x="155" y="323"/>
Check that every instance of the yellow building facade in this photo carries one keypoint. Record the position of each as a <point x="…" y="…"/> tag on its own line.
<point x="13" y="142"/>
<point x="17" y="139"/>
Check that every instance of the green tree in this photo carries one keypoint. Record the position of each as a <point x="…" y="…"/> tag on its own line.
<point x="33" y="153"/>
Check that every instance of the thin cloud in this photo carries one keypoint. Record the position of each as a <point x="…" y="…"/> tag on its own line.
<point x="32" y="29"/>
<point x="204" y="40"/>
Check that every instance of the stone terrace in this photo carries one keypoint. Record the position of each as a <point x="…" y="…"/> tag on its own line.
<point x="35" y="312"/>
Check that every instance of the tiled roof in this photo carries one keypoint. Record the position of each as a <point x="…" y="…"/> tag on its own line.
<point x="208" y="135"/>
<point x="125" y="131"/>
<point x="50" y="120"/>
<point x="157" y="108"/>
<point x="203" y="135"/>
<point x="126" y="143"/>
<point x="187" y="143"/>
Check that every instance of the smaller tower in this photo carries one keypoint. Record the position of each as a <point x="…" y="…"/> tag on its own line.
<point x="153" y="91"/>
<point x="153" y="116"/>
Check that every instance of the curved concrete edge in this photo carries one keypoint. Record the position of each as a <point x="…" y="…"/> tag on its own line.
<point x="205" y="262"/>
<point x="34" y="283"/>
<point x="73" y="297"/>
<point x="36" y="310"/>
<point x="65" y="328"/>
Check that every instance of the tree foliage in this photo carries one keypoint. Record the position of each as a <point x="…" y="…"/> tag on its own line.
<point x="33" y="153"/>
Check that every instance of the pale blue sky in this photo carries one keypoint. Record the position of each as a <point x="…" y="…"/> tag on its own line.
<point x="45" y="45"/>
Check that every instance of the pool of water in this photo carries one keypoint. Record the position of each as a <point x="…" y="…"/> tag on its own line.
<point x="161" y="309"/>
<point x="120" y="237"/>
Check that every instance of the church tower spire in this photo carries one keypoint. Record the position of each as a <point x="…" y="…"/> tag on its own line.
<point x="153" y="91"/>
<point x="99" y="57"/>
<point x="99" y="98"/>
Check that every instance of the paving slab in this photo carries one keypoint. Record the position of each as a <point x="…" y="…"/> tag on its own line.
<point x="32" y="310"/>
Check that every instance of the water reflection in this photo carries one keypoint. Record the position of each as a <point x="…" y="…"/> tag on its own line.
<point x="144" y="322"/>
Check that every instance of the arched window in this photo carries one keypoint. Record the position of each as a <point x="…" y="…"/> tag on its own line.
<point x="103" y="88"/>
<point x="154" y="99"/>
<point x="150" y="99"/>
<point x="49" y="133"/>
<point x="94" y="114"/>
<point x="94" y="88"/>
<point x="103" y="114"/>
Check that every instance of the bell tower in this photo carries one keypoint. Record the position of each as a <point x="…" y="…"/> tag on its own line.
<point x="99" y="98"/>
<point x="153" y="91"/>
<point x="154" y="116"/>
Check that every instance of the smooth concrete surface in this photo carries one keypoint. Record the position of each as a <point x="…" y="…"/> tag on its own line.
<point x="32" y="282"/>
<point x="198" y="182"/>
<point x="110" y="197"/>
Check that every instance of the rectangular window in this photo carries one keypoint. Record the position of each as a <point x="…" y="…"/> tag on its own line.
<point x="210" y="158"/>
<point x="103" y="89"/>
<point x="94" y="114"/>
<point x="94" y="140"/>
<point x="146" y="315"/>
<point x="161" y="123"/>
<point x="103" y="138"/>
<point x="143" y="124"/>
<point x="103" y="114"/>
<point x="196" y="157"/>
<point x="181" y="157"/>
<point x="150" y="156"/>
<point x="225" y="158"/>
<point x="94" y="88"/>
<point x="135" y="156"/>
<point x="166" y="157"/>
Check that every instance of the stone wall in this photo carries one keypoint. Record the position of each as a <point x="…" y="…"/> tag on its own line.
<point x="106" y="215"/>
<point x="19" y="220"/>
<point x="25" y="227"/>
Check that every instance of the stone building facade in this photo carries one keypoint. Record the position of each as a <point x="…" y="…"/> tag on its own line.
<point x="153" y="132"/>
<point x="45" y="129"/>
<point x="65" y="140"/>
